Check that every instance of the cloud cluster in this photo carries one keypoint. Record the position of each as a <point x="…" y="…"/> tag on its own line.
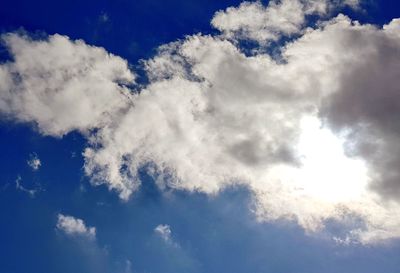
<point x="212" y="117"/>
<point x="74" y="226"/>
<point x="34" y="162"/>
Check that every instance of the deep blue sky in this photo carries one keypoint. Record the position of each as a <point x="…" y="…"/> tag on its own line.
<point x="135" y="28"/>
<point x="216" y="234"/>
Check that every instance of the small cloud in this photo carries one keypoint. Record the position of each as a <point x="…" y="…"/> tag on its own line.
<point x="342" y="241"/>
<point x="104" y="18"/>
<point x="164" y="231"/>
<point x="347" y="239"/>
<point x="34" y="162"/>
<point x="74" y="226"/>
<point x="128" y="266"/>
<point x="20" y="187"/>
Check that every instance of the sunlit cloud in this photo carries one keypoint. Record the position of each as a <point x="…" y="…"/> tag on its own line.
<point x="308" y="130"/>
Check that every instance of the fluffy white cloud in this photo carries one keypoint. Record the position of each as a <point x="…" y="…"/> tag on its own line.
<point x="61" y="85"/>
<point x="212" y="117"/>
<point x="253" y="20"/>
<point x="220" y="118"/>
<point x="74" y="226"/>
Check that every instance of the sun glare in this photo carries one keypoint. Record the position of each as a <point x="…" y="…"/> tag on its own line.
<point x="326" y="172"/>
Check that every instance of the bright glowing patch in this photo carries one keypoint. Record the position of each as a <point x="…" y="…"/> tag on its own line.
<point x="326" y="172"/>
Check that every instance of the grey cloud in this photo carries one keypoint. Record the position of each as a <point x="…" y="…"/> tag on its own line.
<point x="366" y="107"/>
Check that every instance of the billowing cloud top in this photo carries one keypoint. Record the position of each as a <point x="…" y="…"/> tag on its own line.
<point x="252" y="20"/>
<point x="61" y="85"/>
<point x="312" y="132"/>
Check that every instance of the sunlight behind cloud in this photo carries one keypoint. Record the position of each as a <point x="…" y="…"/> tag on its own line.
<point x="326" y="172"/>
<point x="212" y="117"/>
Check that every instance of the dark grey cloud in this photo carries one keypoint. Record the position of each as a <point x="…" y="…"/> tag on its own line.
<point x="366" y="107"/>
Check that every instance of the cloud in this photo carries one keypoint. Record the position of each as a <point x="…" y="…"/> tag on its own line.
<point x="128" y="266"/>
<point x="212" y="117"/>
<point x="61" y="85"/>
<point x="104" y="18"/>
<point x="164" y="231"/>
<point x="74" y="226"/>
<point x="18" y="185"/>
<point x="365" y="106"/>
<point x="253" y="20"/>
<point x="34" y="162"/>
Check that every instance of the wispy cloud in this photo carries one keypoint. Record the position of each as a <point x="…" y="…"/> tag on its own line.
<point x="164" y="231"/>
<point x="19" y="186"/>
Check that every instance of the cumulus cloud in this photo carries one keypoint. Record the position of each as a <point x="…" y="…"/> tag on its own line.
<point x="312" y="135"/>
<point x="366" y="104"/>
<point x="74" y="226"/>
<point x="253" y="20"/>
<point x="34" y="162"/>
<point x="61" y="85"/>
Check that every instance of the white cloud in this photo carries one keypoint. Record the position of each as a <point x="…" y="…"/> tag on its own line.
<point x="61" y="85"/>
<point x="253" y="20"/>
<point x="34" y="162"/>
<point x="212" y="117"/>
<point x="74" y="226"/>
<point x="164" y="231"/>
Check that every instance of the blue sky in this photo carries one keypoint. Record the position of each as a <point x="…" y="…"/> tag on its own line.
<point x="191" y="200"/>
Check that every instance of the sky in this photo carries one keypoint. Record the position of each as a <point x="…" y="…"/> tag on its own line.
<point x="199" y="136"/>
